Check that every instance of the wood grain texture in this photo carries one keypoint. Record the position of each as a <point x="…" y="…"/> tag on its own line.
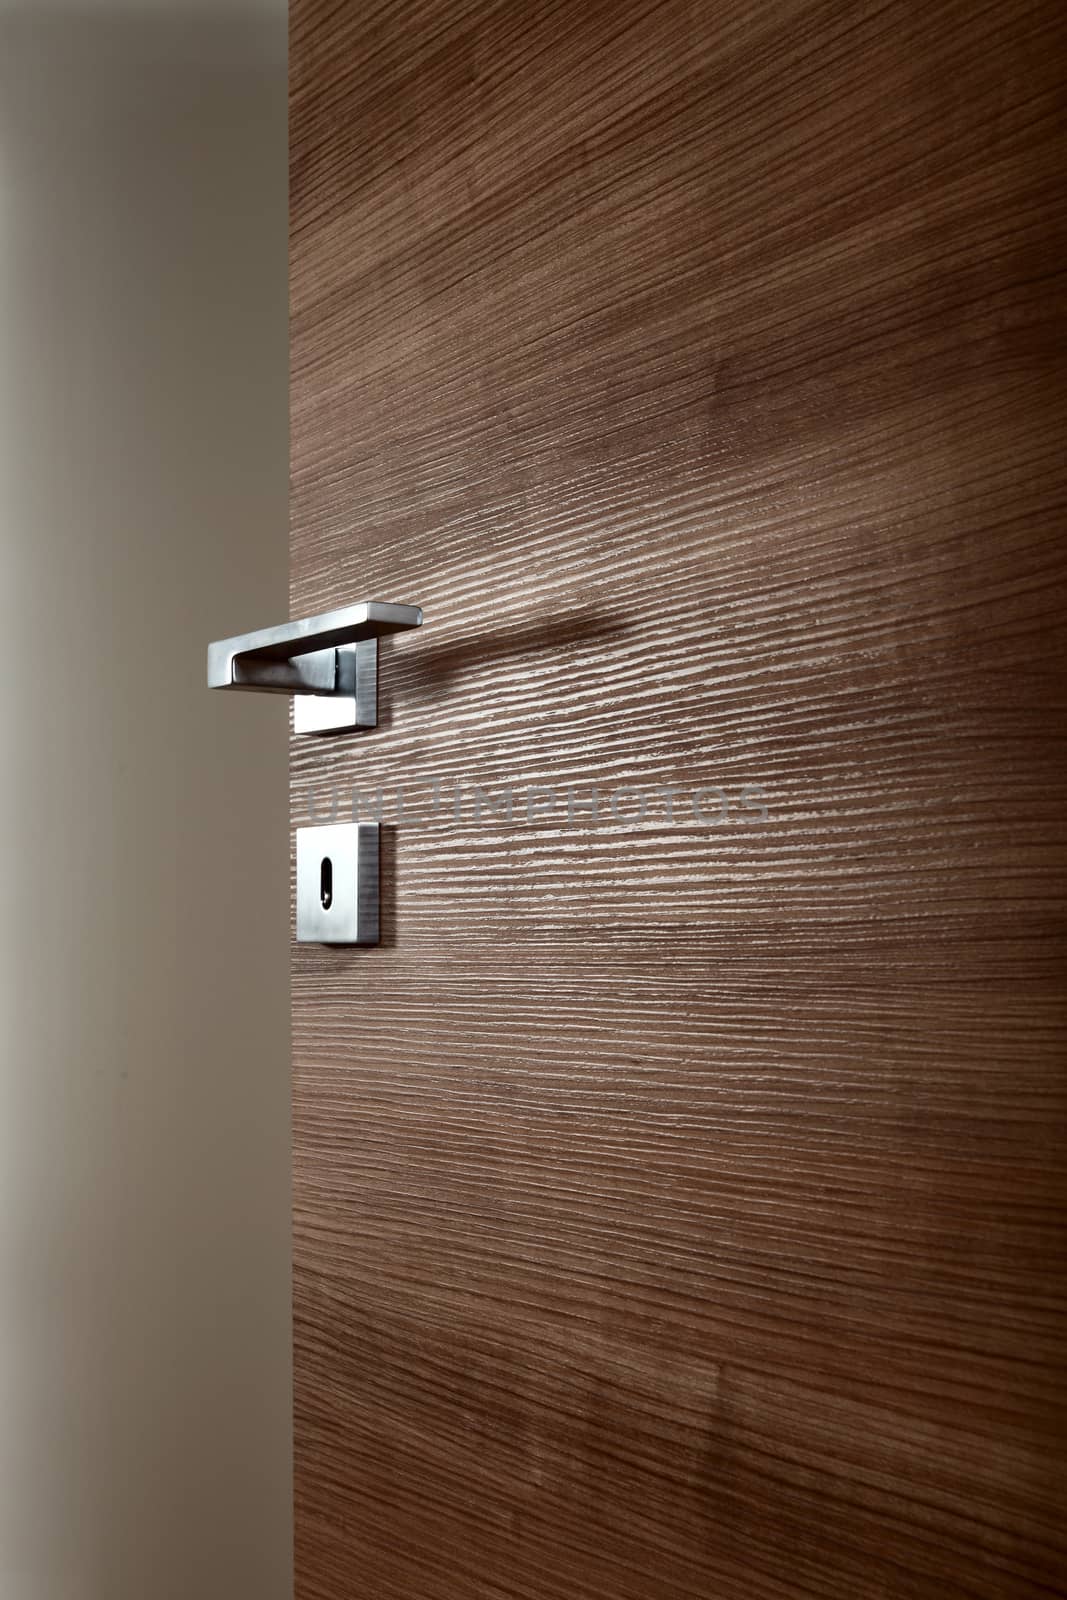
<point x="677" y="1206"/>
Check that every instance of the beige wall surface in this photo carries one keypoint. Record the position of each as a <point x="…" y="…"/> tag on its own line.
<point x="144" y="1100"/>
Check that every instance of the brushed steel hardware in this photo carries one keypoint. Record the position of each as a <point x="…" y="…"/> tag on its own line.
<point x="329" y="663"/>
<point x="337" y="884"/>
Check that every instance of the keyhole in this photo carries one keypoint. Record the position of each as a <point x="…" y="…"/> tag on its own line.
<point x="326" y="883"/>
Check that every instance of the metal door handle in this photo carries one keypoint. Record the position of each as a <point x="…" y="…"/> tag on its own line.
<point x="329" y="663"/>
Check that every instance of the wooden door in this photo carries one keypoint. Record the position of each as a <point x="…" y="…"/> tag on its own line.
<point x="676" y="1195"/>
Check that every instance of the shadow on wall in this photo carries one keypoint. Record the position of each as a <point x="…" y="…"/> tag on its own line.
<point x="439" y="670"/>
<point x="144" y="1105"/>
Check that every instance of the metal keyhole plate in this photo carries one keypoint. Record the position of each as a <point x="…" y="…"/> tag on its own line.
<point x="337" y="884"/>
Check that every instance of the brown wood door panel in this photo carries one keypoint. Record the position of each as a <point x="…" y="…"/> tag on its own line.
<point x="676" y="1204"/>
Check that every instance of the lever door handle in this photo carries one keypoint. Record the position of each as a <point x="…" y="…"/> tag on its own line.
<point x="329" y="663"/>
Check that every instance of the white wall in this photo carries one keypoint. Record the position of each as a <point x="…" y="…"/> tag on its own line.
<point x="144" y="1097"/>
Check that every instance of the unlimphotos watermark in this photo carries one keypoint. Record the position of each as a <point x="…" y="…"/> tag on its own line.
<point x="434" y="801"/>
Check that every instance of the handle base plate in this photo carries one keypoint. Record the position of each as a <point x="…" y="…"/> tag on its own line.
<point x="357" y="673"/>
